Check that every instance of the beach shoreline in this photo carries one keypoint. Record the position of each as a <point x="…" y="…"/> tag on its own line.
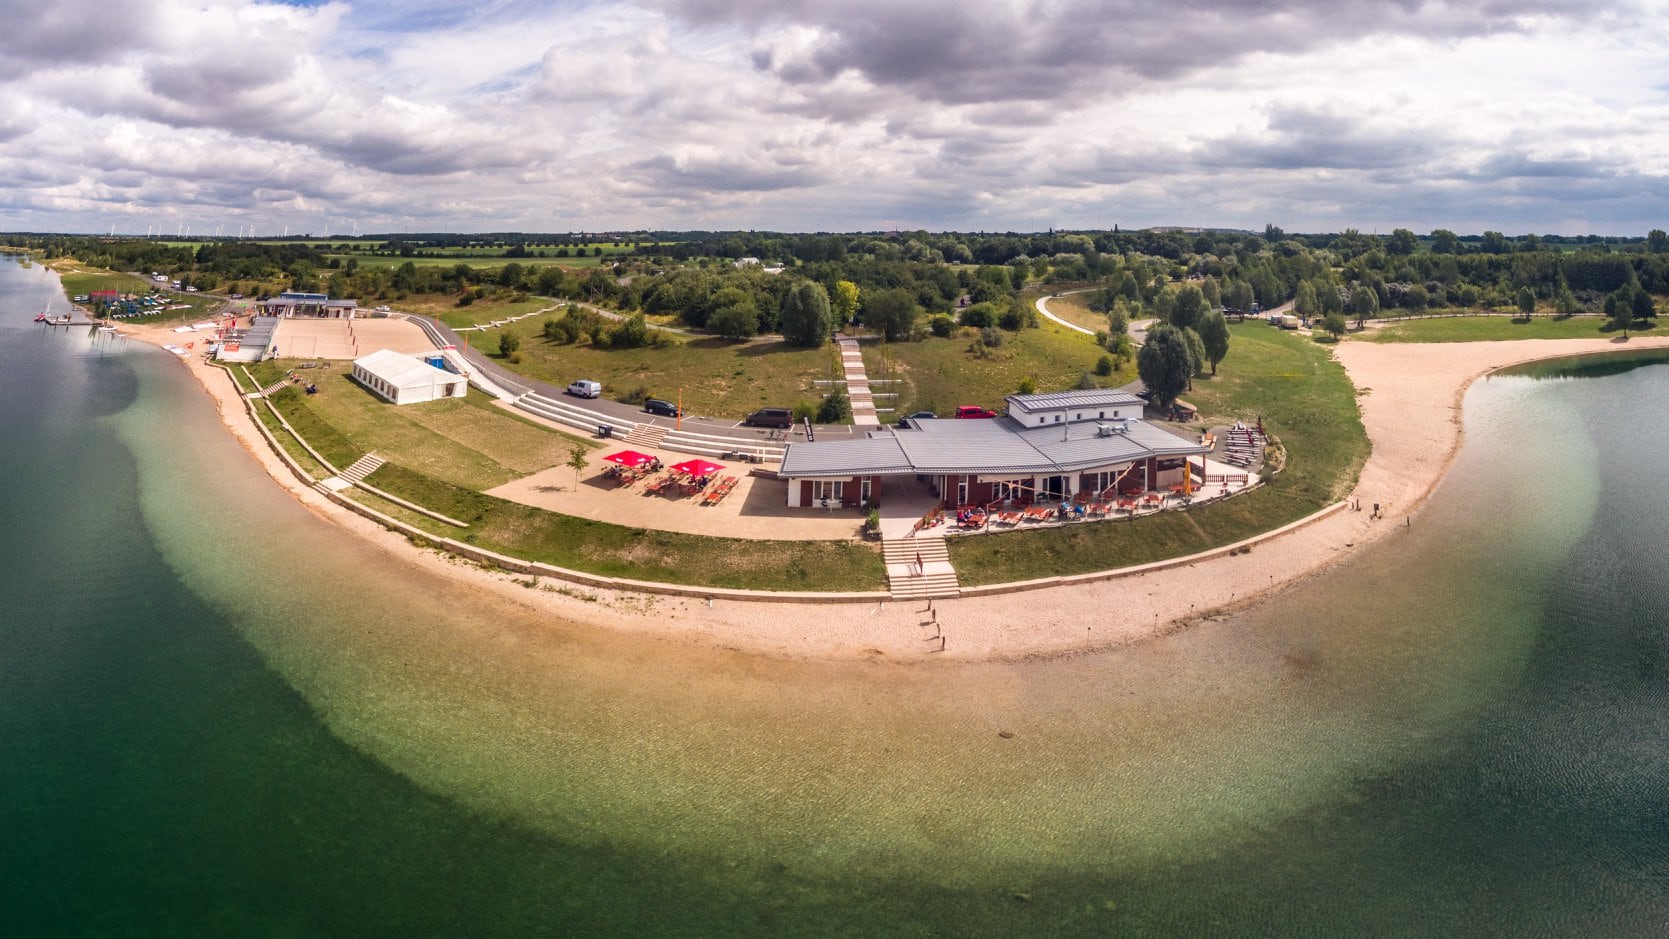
<point x="1410" y="397"/>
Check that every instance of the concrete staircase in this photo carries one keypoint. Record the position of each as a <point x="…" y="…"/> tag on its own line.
<point x="273" y="388"/>
<point x="646" y="435"/>
<point x="918" y="567"/>
<point x="363" y="467"/>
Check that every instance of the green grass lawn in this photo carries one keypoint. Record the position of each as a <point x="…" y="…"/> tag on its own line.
<point x="1074" y="308"/>
<point x="443" y="453"/>
<point x="716" y="377"/>
<point x="1307" y="403"/>
<point x="1487" y="328"/>
<point x="468" y="442"/>
<point x="939" y="374"/>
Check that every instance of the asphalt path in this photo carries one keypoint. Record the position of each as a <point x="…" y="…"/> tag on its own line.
<point x="611" y="411"/>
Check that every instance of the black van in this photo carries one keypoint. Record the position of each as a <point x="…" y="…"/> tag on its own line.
<point x="770" y="417"/>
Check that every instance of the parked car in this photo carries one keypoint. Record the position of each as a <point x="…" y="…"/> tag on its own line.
<point x="584" y="388"/>
<point x="382" y="309"/>
<point x="918" y="416"/>
<point x="770" y="417"/>
<point x="973" y="412"/>
<point x="663" y="408"/>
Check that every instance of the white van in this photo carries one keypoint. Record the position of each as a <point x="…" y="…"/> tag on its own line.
<point x="585" y="389"/>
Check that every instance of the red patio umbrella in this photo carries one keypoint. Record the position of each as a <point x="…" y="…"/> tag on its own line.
<point x="696" y="468"/>
<point x="629" y="458"/>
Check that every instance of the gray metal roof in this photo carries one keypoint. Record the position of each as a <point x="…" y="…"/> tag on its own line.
<point x="986" y="447"/>
<point x="875" y="455"/>
<point x="1066" y="400"/>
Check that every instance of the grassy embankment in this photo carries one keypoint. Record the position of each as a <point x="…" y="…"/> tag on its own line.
<point x="1307" y="403"/>
<point x="939" y="374"/>
<point x="1490" y="328"/>
<point x="716" y="377"/>
<point x="1074" y="308"/>
<point x="443" y="453"/>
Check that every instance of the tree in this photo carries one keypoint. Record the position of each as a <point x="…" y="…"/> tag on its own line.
<point x="508" y="343"/>
<point x="1563" y="300"/>
<point x="1214" y="332"/>
<point x="577" y="462"/>
<point x="1620" y="311"/>
<point x="1401" y="242"/>
<point x="892" y="312"/>
<point x="1189" y="307"/>
<point x="806" y="319"/>
<point x="1444" y="241"/>
<point x="1238" y="295"/>
<point x="736" y="320"/>
<point x="1305" y="302"/>
<point x="1162" y="364"/>
<point x="843" y="302"/>
<point x="1657" y="241"/>
<point x="1641" y="304"/>
<point x="1335" y="324"/>
<point x="1364" y="302"/>
<point x="835" y="409"/>
<point x="1526" y="301"/>
<point x="1196" y="354"/>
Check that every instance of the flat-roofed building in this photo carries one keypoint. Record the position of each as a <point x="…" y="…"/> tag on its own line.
<point x="1047" y="447"/>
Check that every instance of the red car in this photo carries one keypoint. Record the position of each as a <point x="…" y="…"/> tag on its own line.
<point x="973" y="411"/>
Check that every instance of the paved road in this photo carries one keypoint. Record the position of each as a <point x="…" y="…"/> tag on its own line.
<point x="608" y="411"/>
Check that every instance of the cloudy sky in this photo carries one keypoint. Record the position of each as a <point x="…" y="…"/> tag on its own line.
<point x="1547" y="116"/>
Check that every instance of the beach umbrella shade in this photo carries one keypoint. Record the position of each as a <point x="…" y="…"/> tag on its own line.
<point x="697" y="468"/>
<point x="629" y="458"/>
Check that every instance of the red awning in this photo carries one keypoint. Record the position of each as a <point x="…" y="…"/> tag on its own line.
<point x="696" y="468"/>
<point x="629" y="458"/>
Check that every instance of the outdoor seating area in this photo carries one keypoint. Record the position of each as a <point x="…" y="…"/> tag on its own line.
<point x="628" y="467"/>
<point x="1243" y="444"/>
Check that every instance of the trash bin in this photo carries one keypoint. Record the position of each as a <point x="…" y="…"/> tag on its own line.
<point x="605" y="430"/>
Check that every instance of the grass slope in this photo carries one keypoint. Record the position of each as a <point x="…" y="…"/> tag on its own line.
<point x="939" y="374"/>
<point x="1306" y="401"/>
<point x="717" y="377"/>
<point x="1490" y="328"/>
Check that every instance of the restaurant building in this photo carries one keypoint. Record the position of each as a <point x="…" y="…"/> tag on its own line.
<point x="1047" y="447"/>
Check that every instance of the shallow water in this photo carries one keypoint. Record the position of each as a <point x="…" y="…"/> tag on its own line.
<point x="225" y="714"/>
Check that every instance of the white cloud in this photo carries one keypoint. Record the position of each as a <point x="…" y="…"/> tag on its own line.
<point x="834" y="115"/>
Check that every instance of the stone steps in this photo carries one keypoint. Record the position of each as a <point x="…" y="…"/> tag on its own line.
<point x="918" y="567"/>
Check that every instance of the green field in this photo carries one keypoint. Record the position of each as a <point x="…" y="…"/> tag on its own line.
<point x="442" y="453"/>
<point x="468" y="442"/>
<point x="939" y="374"/>
<point x="1488" y="328"/>
<point x="1074" y="308"/>
<point x="715" y="377"/>
<point x="1308" y="404"/>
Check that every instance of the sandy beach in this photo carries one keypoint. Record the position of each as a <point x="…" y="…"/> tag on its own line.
<point x="1410" y="395"/>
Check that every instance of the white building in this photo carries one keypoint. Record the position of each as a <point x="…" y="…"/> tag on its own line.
<point x="405" y="379"/>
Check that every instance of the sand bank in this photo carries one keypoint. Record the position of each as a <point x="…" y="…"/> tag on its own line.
<point x="1410" y="397"/>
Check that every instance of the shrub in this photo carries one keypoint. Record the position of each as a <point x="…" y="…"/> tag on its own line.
<point x="979" y="316"/>
<point x="1104" y="366"/>
<point x="941" y="325"/>
<point x="1086" y="381"/>
<point x="1028" y="386"/>
<point x="804" y="410"/>
<point x="990" y="338"/>
<point x="1014" y="319"/>
<point x="637" y="395"/>
<point x="508" y="343"/>
<point x="835" y="409"/>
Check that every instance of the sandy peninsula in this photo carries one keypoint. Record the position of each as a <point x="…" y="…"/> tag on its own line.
<point x="1410" y="395"/>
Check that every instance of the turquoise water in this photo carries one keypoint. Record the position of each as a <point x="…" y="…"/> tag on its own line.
<point x="219" y="714"/>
